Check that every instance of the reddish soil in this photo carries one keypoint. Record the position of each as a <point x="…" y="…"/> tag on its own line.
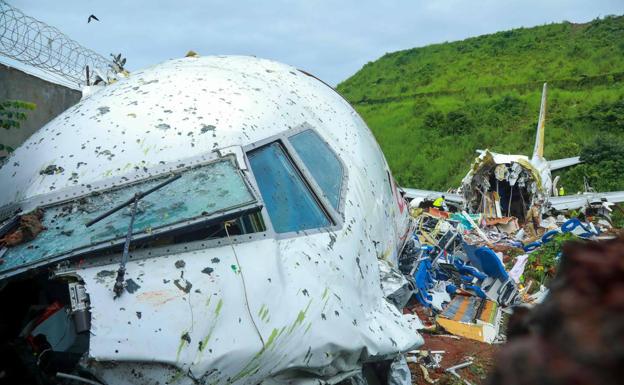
<point x="457" y="351"/>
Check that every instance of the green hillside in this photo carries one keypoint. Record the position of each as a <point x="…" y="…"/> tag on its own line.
<point x="431" y="107"/>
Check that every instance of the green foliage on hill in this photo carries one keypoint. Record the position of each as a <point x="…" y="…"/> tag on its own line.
<point x="432" y="107"/>
<point x="12" y="113"/>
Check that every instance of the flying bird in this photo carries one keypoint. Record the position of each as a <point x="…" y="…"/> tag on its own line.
<point x="92" y="17"/>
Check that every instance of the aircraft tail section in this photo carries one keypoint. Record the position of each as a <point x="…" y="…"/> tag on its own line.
<point x="538" y="150"/>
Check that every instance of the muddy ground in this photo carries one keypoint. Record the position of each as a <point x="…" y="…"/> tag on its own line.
<point x="457" y="351"/>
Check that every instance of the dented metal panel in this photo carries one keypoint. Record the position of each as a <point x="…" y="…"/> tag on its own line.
<point x="194" y="317"/>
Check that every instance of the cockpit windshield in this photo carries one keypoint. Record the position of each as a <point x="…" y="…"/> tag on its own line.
<point x="202" y="193"/>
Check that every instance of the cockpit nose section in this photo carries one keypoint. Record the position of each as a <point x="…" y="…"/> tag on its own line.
<point x="259" y="256"/>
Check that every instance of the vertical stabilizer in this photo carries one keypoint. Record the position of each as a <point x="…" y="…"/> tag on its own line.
<point x="538" y="150"/>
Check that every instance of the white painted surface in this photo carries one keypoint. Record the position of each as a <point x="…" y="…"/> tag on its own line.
<point x="316" y="298"/>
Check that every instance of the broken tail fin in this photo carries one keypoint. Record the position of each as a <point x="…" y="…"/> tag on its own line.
<point x="538" y="150"/>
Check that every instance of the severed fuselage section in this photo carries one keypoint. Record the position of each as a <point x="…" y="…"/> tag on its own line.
<point x="504" y="185"/>
<point x="254" y="257"/>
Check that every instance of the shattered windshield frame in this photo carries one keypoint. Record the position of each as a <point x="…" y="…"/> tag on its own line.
<point x="333" y="210"/>
<point x="290" y="203"/>
<point x="206" y="192"/>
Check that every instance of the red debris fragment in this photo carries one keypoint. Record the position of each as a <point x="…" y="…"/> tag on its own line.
<point x="29" y="227"/>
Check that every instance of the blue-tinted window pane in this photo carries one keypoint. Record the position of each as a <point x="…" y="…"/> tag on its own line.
<point x="322" y="163"/>
<point x="289" y="202"/>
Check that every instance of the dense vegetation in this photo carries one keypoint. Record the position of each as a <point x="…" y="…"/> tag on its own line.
<point x="431" y="107"/>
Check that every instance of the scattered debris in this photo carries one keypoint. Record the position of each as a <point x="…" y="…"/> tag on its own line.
<point x="103" y="110"/>
<point x="426" y="375"/>
<point x="469" y="272"/>
<point x="28" y="227"/>
<point x="131" y="286"/>
<point x="471" y="317"/>
<point x="183" y="285"/>
<point x="453" y="370"/>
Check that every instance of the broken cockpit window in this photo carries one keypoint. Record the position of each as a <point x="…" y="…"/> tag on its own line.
<point x="194" y="206"/>
<point x="289" y="201"/>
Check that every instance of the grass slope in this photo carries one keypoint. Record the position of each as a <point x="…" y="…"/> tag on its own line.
<point x="431" y="107"/>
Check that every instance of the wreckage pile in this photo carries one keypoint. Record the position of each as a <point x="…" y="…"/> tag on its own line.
<point x="466" y="273"/>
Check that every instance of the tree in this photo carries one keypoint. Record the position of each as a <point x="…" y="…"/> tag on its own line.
<point x="603" y="166"/>
<point x="12" y="113"/>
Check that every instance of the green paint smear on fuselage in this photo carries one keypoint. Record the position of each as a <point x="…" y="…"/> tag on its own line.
<point x="254" y="365"/>
<point x="219" y="306"/>
<point x="217" y="312"/>
<point x="181" y="346"/>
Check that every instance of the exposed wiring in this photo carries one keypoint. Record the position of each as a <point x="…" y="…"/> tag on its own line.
<point x="240" y="271"/>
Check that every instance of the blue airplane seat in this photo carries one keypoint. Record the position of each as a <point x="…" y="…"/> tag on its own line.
<point x="550" y="235"/>
<point x="470" y="271"/>
<point x="470" y="253"/>
<point x="532" y="246"/>
<point x="476" y="290"/>
<point x="571" y="224"/>
<point x="492" y="266"/>
<point x="424" y="282"/>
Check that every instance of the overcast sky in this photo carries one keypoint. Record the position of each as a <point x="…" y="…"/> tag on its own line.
<point x="331" y="39"/>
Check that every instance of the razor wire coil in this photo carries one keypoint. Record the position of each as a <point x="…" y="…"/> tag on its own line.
<point x="30" y="41"/>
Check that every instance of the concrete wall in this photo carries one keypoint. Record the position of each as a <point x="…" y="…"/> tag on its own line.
<point x="51" y="99"/>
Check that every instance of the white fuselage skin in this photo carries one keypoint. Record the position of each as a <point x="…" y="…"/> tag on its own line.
<point x="314" y="296"/>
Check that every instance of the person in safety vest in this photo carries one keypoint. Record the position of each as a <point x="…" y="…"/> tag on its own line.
<point x="440" y="203"/>
<point x="561" y="191"/>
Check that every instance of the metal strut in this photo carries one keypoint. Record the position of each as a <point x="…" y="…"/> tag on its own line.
<point x="121" y="272"/>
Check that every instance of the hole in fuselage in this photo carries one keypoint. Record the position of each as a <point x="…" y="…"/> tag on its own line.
<point x="43" y="329"/>
<point x="501" y="190"/>
<point x="514" y="200"/>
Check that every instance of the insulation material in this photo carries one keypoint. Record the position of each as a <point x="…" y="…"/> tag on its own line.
<point x="518" y="268"/>
<point x="508" y="225"/>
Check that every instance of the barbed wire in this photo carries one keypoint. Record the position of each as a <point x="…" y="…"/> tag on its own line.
<point x="30" y="41"/>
